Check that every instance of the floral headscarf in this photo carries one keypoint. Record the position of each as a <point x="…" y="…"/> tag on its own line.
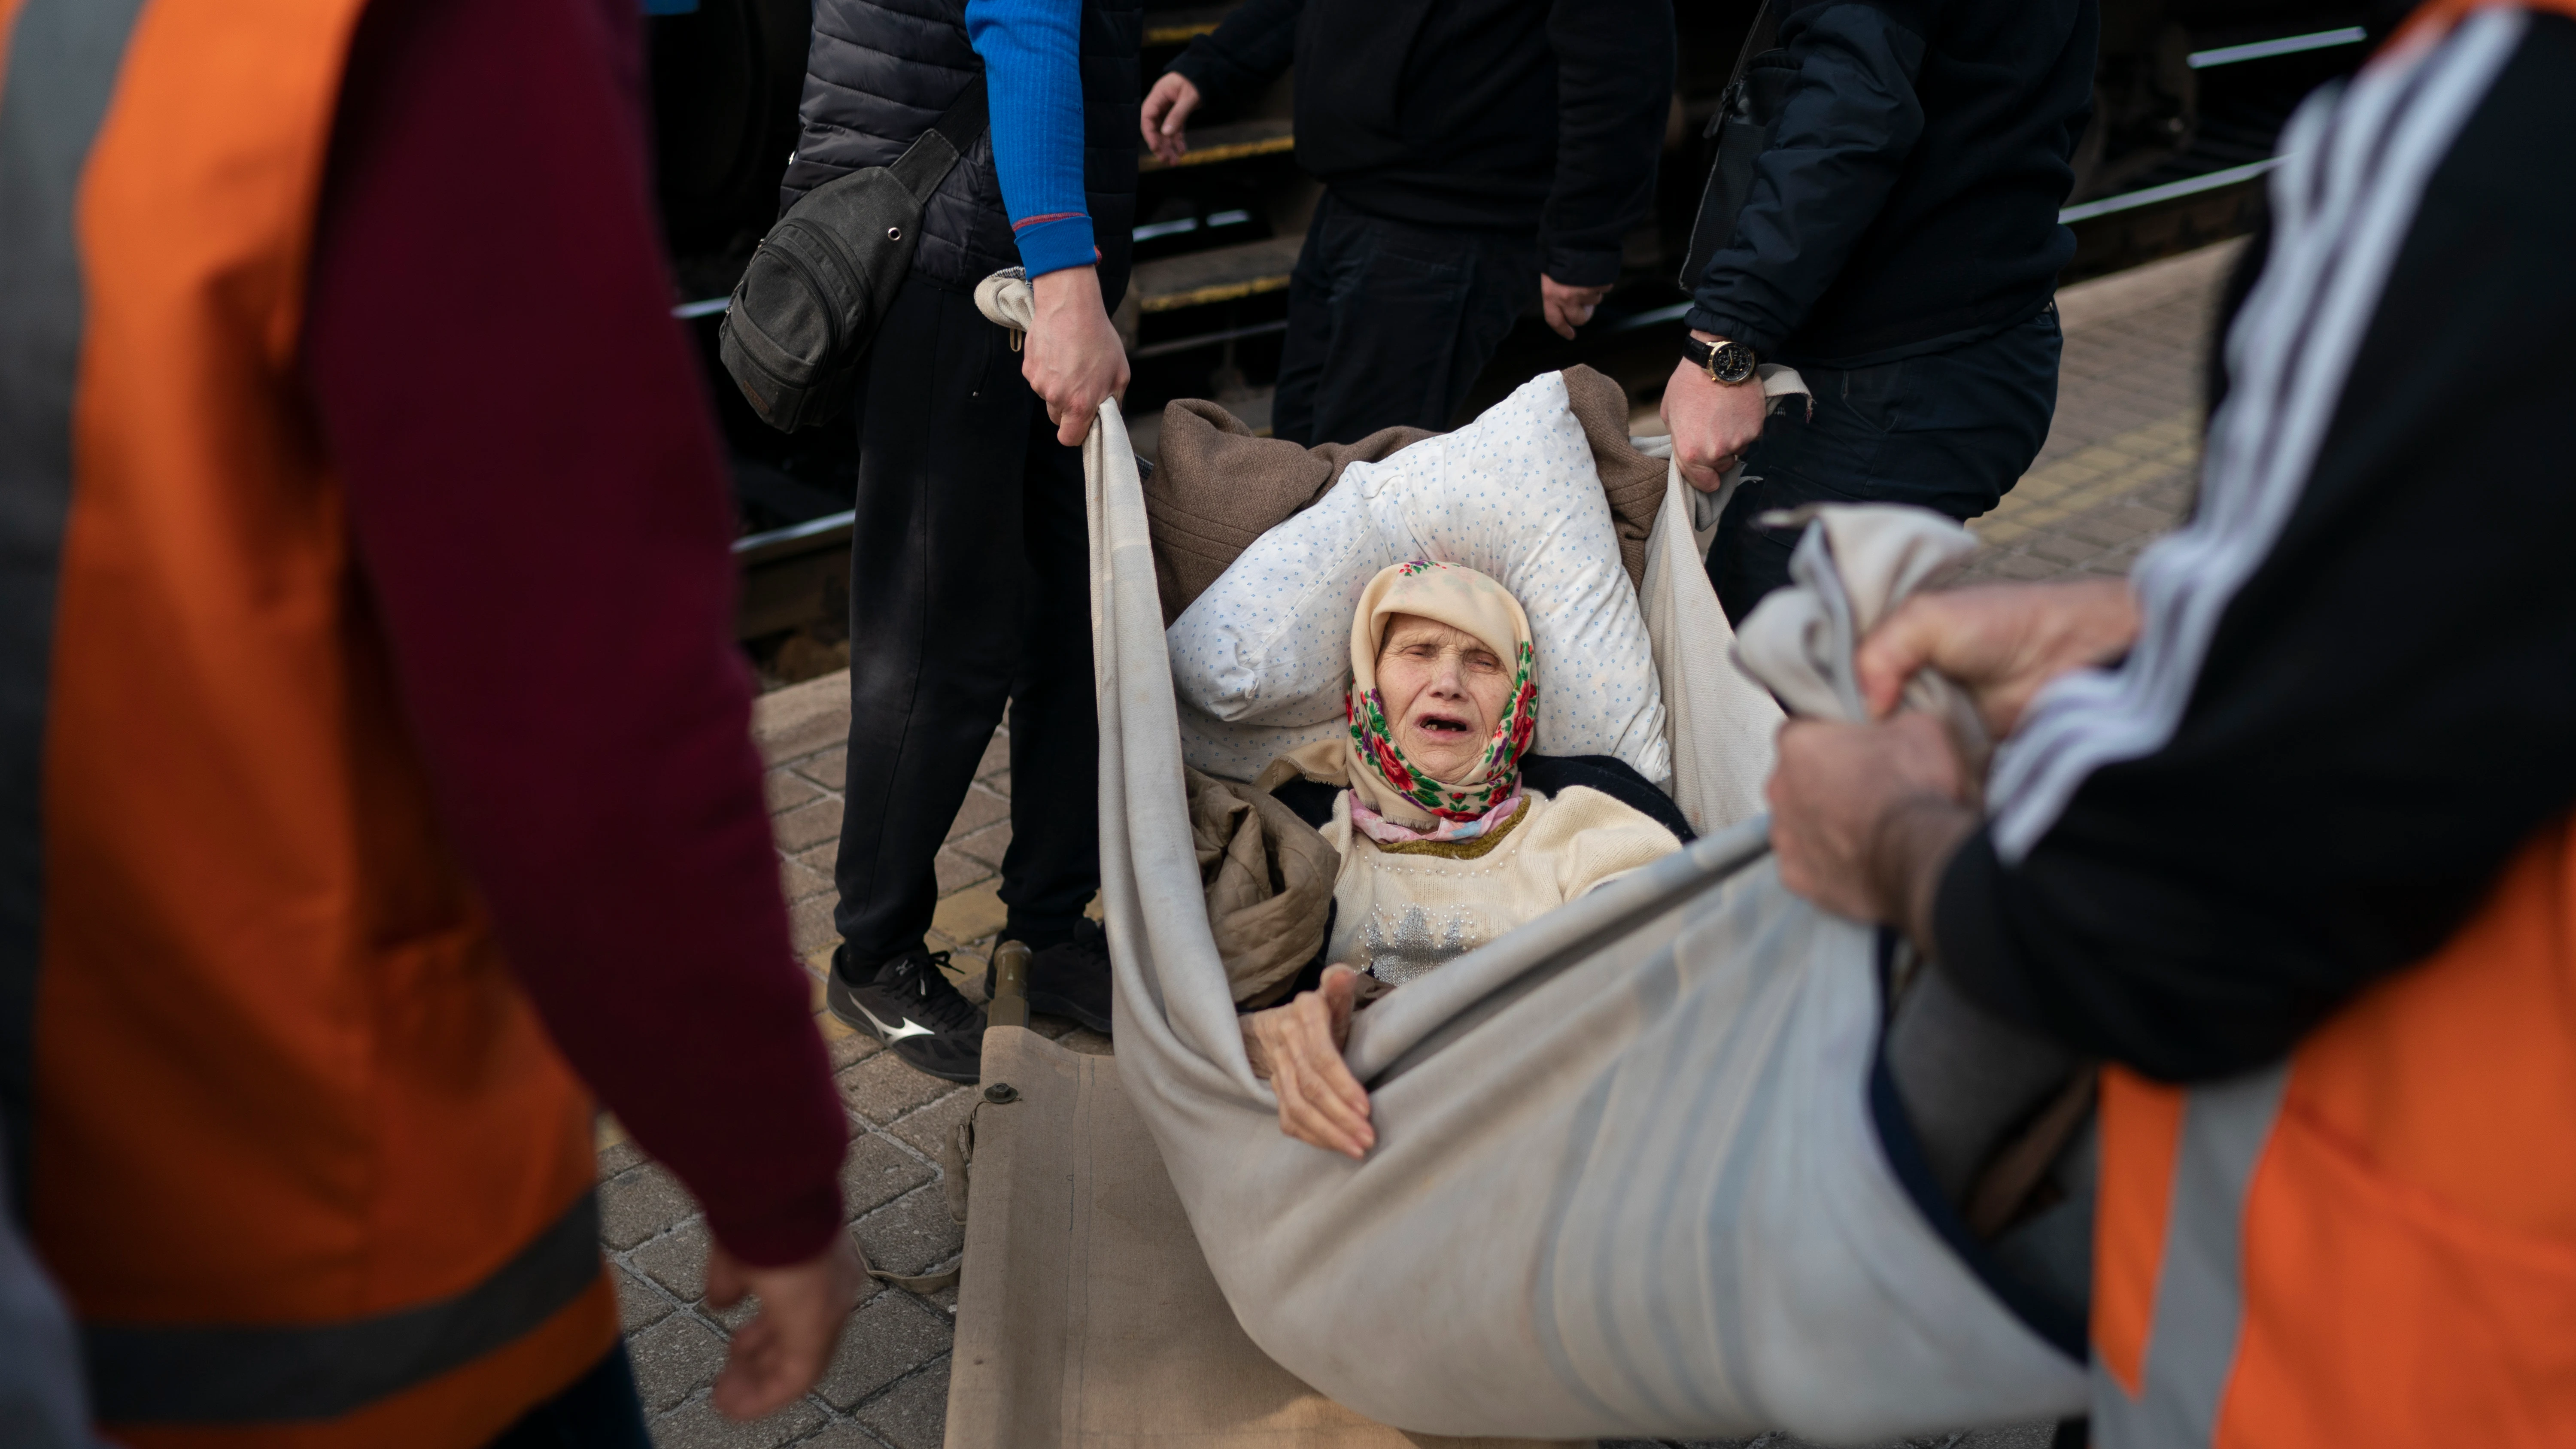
<point x="1392" y="800"/>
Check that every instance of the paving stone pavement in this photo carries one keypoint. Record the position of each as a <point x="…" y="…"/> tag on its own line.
<point x="888" y="1386"/>
<point x="2119" y="468"/>
<point x="2123" y="455"/>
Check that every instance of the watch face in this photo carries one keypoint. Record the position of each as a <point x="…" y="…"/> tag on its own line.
<point x="1731" y="362"/>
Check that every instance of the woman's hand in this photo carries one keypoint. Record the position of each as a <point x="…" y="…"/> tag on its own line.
<point x="1298" y="1047"/>
<point x="2001" y="641"/>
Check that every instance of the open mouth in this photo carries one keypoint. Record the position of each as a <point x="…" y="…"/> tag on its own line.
<point x="1443" y="726"/>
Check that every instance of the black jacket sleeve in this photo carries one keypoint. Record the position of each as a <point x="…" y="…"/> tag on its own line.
<point x="1614" y="87"/>
<point x="2386" y="710"/>
<point x="1850" y="119"/>
<point x="1247" y="51"/>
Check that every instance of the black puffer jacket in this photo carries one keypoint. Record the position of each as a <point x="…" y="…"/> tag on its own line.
<point x="879" y="72"/>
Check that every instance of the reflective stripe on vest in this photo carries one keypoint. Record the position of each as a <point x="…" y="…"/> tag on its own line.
<point x="237" y="1374"/>
<point x="2168" y="1394"/>
<point x="2374" y="1244"/>
<point x="61" y="62"/>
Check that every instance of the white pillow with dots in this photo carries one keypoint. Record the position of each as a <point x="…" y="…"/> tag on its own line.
<point x="1262" y="659"/>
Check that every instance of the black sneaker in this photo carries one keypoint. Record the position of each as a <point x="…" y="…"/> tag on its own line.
<point x="1070" y="979"/>
<point x="909" y="1006"/>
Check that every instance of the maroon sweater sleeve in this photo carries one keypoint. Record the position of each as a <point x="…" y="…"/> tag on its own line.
<point x="540" y="515"/>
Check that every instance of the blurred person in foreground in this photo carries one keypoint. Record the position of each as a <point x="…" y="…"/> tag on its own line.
<point x="1476" y="157"/>
<point x="1900" y="247"/>
<point x="378" y="778"/>
<point x="2298" y="866"/>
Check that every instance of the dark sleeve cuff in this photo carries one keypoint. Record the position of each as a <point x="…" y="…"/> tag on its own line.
<point x="1764" y="344"/>
<point x="1967" y="938"/>
<point x="781" y="1229"/>
<point x="1217" y="78"/>
<point x="1582" y="266"/>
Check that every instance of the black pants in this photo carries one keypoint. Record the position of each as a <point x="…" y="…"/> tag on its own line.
<point x="1949" y="431"/>
<point x="970" y="586"/>
<point x="1389" y="322"/>
<point x="599" y="1411"/>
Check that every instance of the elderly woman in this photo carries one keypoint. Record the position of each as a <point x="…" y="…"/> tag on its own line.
<point x="1450" y="833"/>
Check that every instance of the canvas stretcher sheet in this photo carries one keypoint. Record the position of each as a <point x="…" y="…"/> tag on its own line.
<point x="1627" y="1180"/>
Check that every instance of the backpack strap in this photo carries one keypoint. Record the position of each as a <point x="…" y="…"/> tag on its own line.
<point x="926" y="162"/>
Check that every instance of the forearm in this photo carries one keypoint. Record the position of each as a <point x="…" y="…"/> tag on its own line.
<point x="586" y="739"/>
<point x="1032" y="52"/>
<point x="1843" y="133"/>
<point x="1909" y="852"/>
<point x="1614" y="80"/>
<point x="1255" y="42"/>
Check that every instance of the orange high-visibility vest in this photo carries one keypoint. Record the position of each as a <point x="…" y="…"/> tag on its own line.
<point x="2373" y="1243"/>
<point x="289" y="1135"/>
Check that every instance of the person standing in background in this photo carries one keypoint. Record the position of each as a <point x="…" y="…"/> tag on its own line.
<point x="1468" y="149"/>
<point x="970" y="576"/>
<point x="362" y="815"/>
<point x="1900" y="247"/>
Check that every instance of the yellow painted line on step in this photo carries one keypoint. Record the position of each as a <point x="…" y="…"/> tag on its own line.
<point x="2090" y="477"/>
<point x="1221" y="292"/>
<point x="1209" y="155"/>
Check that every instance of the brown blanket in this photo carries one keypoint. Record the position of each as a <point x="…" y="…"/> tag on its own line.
<point x="1218" y="487"/>
<point x="1269" y="882"/>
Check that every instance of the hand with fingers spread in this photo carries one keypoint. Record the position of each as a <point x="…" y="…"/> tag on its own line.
<point x="783" y="1350"/>
<point x="1712" y="422"/>
<point x="1298" y="1047"/>
<point x="1565" y="307"/>
<point x="1166" y="115"/>
<point x="1074" y="361"/>
<point x="2001" y="641"/>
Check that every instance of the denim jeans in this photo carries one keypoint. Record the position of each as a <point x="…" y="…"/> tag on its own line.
<point x="1389" y="322"/>
<point x="1950" y="431"/>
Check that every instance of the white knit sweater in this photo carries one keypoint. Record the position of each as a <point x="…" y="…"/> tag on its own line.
<point x="1400" y="913"/>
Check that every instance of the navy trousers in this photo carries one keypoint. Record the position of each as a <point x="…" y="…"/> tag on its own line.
<point x="1949" y="431"/>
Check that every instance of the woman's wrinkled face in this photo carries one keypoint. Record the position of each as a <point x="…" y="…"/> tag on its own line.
<point x="1444" y="693"/>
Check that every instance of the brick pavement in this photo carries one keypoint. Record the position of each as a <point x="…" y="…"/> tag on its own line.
<point x="2118" y="468"/>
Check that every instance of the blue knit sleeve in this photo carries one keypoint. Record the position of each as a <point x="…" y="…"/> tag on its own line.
<point x="1032" y="53"/>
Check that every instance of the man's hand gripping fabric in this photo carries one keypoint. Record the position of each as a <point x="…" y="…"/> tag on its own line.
<point x="1864" y="817"/>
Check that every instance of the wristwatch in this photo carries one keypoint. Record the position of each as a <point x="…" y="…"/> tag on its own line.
<point x="1726" y="362"/>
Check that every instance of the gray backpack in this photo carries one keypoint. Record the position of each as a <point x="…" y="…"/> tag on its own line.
<point x="818" y="287"/>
